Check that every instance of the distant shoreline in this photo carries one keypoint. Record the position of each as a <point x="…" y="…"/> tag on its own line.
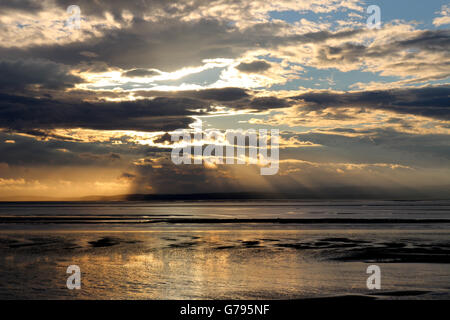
<point x="147" y="220"/>
<point x="333" y="194"/>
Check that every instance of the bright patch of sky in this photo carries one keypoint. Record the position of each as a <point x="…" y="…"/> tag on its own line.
<point x="241" y="121"/>
<point x="422" y="11"/>
<point x="408" y="10"/>
<point x="197" y="79"/>
<point x="331" y="79"/>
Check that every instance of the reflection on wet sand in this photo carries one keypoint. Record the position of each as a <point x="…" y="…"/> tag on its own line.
<point x="224" y="264"/>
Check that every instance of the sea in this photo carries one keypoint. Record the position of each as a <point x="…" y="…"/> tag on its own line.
<point x="261" y="249"/>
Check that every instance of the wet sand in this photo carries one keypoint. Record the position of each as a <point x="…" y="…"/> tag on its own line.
<point x="218" y="264"/>
<point x="225" y="251"/>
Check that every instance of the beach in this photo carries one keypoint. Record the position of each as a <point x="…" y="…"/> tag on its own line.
<point x="225" y="250"/>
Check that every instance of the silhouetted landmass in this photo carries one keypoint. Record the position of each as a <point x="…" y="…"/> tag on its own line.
<point x="324" y="193"/>
<point x="146" y="220"/>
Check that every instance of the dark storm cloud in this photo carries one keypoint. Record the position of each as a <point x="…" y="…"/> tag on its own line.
<point x="234" y="98"/>
<point x="378" y="145"/>
<point x="432" y="101"/>
<point x="164" y="138"/>
<point x="21" y="5"/>
<point x="254" y="66"/>
<point x="17" y="75"/>
<point x="265" y="103"/>
<point x="24" y="113"/>
<point x="98" y="7"/>
<point x="158" y="111"/>
<point x="31" y="152"/>
<point x="163" y="176"/>
<point x="45" y="134"/>
<point x="431" y="40"/>
<point x="319" y="177"/>
<point x="423" y="54"/>
<point x="225" y="94"/>
<point x="96" y="157"/>
<point x="428" y="40"/>
<point x="127" y="176"/>
<point x="214" y="95"/>
<point x="116" y="7"/>
<point x="140" y="73"/>
<point x="28" y="151"/>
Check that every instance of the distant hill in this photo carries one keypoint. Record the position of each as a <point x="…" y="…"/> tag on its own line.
<point x="325" y="193"/>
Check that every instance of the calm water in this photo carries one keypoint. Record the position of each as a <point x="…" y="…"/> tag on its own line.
<point x="225" y="250"/>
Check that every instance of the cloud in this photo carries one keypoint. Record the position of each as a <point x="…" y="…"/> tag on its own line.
<point x="231" y="97"/>
<point x="372" y="145"/>
<point x="100" y="157"/>
<point x="444" y="18"/>
<point x="22" y="5"/>
<point x="24" y="113"/>
<point x="159" y="175"/>
<point x="140" y="73"/>
<point x="254" y="66"/>
<point x="217" y="95"/>
<point x="430" y="101"/>
<point x="18" y="75"/>
<point x="398" y="53"/>
<point x="188" y="9"/>
<point x="127" y="176"/>
<point x="174" y="44"/>
<point x="164" y="139"/>
<point x="157" y="111"/>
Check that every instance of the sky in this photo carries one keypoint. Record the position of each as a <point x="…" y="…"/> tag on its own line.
<point x="89" y="98"/>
